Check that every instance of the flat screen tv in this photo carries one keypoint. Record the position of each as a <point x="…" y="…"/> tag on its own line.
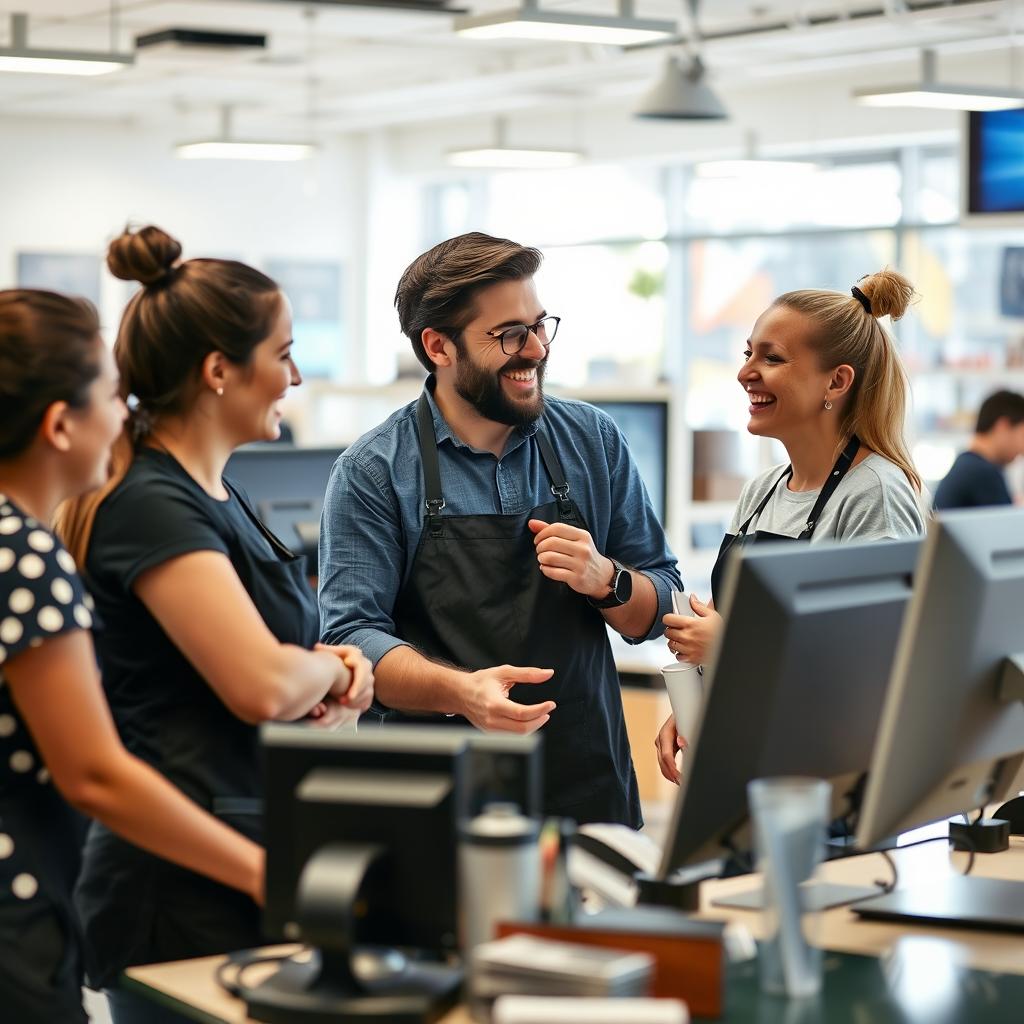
<point x="993" y="166"/>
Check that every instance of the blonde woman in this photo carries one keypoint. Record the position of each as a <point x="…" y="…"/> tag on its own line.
<point x="822" y="376"/>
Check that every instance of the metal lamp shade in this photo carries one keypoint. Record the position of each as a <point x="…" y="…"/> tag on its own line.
<point x="681" y="94"/>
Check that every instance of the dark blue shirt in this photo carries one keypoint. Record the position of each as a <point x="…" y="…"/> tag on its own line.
<point x="373" y="510"/>
<point x="972" y="482"/>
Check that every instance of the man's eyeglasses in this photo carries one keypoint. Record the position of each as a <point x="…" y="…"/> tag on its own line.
<point x="513" y="339"/>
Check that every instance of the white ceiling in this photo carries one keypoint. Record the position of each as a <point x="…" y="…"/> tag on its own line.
<point x="338" y="67"/>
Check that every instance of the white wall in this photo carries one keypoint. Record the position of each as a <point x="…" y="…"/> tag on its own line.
<point x="72" y="186"/>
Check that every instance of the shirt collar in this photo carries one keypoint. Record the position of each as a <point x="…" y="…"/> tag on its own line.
<point x="444" y="433"/>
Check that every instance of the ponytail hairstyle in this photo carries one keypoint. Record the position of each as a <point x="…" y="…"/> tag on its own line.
<point x="182" y="313"/>
<point x="48" y="353"/>
<point x="848" y="332"/>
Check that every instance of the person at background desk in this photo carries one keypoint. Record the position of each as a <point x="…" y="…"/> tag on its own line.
<point x="976" y="478"/>
<point x="207" y="623"/>
<point x="60" y="411"/>
<point x="477" y="542"/>
<point x="822" y="376"/>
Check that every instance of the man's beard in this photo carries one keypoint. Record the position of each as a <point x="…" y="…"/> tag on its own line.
<point x="483" y="390"/>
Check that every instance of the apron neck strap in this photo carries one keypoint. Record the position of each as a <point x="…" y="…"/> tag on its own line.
<point x="839" y="470"/>
<point x="559" y="485"/>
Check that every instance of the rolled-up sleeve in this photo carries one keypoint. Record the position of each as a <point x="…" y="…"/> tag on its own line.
<point x="362" y="557"/>
<point x="635" y="536"/>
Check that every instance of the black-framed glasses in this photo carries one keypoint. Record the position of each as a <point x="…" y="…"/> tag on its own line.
<point x="513" y="339"/>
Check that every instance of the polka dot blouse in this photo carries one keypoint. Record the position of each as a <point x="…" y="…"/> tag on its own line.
<point x="41" y="596"/>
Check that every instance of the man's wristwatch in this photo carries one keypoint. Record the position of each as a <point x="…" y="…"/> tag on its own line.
<point x="621" y="588"/>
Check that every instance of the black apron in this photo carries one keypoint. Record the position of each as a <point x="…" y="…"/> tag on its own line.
<point x="742" y="539"/>
<point x="136" y="908"/>
<point x="475" y="597"/>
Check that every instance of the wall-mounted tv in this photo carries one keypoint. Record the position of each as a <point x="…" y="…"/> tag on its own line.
<point x="993" y="166"/>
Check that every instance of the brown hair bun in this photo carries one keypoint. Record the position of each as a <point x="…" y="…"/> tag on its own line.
<point x="146" y="256"/>
<point x="889" y="293"/>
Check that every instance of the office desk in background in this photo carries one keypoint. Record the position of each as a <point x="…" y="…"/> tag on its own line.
<point x="878" y="973"/>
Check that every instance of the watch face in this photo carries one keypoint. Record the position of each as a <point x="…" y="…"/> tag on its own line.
<point x="623" y="586"/>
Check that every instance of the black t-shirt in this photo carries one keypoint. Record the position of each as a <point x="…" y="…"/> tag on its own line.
<point x="41" y="596"/>
<point x="972" y="482"/>
<point x="165" y="710"/>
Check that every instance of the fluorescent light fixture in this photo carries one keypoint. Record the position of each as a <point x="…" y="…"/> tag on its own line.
<point x="224" y="149"/>
<point x="681" y="94"/>
<point x="509" y="157"/>
<point x="20" y="57"/>
<point x="529" y="21"/>
<point x="930" y="93"/>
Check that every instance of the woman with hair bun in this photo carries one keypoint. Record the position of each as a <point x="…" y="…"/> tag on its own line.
<point x="208" y="625"/>
<point x="823" y="377"/>
<point x="60" y="411"/>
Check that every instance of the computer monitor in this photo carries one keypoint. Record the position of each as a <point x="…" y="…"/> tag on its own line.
<point x="361" y="855"/>
<point x="951" y="735"/>
<point x="796" y="685"/>
<point x="644" y="424"/>
<point x="286" y="486"/>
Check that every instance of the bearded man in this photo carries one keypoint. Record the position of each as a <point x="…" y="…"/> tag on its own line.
<point x="477" y="544"/>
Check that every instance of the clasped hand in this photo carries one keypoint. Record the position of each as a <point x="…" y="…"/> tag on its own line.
<point x="567" y="554"/>
<point x="351" y="694"/>
<point x="690" y="638"/>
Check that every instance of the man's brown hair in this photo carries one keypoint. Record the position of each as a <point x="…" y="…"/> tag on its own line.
<point x="438" y="288"/>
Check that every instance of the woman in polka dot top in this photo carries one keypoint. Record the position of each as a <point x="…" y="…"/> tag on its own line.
<point x="60" y="411"/>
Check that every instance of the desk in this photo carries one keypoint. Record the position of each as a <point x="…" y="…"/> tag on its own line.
<point x="906" y="974"/>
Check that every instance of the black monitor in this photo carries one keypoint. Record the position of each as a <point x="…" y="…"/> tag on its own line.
<point x="361" y="856"/>
<point x="951" y="736"/>
<point x="644" y="424"/>
<point x="796" y="685"/>
<point x="286" y="486"/>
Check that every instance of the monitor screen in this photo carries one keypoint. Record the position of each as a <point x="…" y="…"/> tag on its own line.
<point x="286" y="486"/>
<point x="645" y="427"/>
<point x="950" y="739"/>
<point x="796" y="685"/>
<point x="994" y="162"/>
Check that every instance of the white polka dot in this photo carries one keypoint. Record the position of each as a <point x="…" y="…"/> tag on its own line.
<point x="49" y="618"/>
<point x="40" y="540"/>
<point x="43" y="776"/>
<point x="10" y="631"/>
<point x="21" y="761"/>
<point x="82" y="616"/>
<point x="6" y="559"/>
<point x="5" y="510"/>
<point x="6" y="846"/>
<point x="62" y="591"/>
<point x="21" y="600"/>
<point x="3" y="497"/>
<point x="31" y="566"/>
<point x="89" y="602"/>
<point x="10" y="524"/>
<point x="24" y="886"/>
<point x="7" y="725"/>
<point x="66" y="562"/>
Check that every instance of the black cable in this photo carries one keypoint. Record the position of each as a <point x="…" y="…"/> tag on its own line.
<point x="242" y="961"/>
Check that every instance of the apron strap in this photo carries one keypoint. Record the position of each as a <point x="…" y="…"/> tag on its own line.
<point x="764" y="502"/>
<point x="839" y="470"/>
<point x="559" y="485"/>
<point x="272" y="539"/>
<point x="431" y="469"/>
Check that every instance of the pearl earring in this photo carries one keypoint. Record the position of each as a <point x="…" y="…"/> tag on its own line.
<point x="828" y="404"/>
<point x="220" y="391"/>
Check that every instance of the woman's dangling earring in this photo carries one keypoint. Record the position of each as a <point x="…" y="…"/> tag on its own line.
<point x="828" y="404"/>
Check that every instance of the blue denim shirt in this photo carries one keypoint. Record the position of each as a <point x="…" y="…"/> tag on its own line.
<point x="373" y="510"/>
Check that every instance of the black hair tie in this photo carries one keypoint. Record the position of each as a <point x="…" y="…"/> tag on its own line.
<point x="861" y="298"/>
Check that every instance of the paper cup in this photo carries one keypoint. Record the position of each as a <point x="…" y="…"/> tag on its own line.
<point x="685" y="686"/>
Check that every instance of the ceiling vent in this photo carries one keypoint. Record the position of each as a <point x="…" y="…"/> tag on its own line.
<point x="199" y="41"/>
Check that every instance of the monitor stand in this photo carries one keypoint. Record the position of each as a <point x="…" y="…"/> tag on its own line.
<point x="346" y="980"/>
<point x="990" y="903"/>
